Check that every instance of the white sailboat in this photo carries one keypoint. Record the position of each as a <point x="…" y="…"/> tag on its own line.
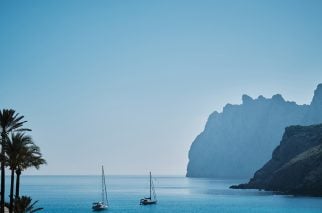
<point x="153" y="198"/>
<point x="101" y="205"/>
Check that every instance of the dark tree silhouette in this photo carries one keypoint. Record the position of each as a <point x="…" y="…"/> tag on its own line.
<point x="24" y="204"/>
<point x="32" y="157"/>
<point x="21" y="152"/>
<point x="10" y="121"/>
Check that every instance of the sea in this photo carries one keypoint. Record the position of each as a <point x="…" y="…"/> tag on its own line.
<point x="75" y="194"/>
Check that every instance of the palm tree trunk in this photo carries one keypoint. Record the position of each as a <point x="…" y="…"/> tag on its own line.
<point x="11" y="190"/>
<point x="3" y="135"/>
<point x="18" y="172"/>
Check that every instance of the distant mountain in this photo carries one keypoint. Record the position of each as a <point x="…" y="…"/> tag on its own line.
<point x="239" y="140"/>
<point x="296" y="164"/>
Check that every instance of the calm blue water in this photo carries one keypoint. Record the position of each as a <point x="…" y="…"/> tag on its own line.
<point x="175" y="194"/>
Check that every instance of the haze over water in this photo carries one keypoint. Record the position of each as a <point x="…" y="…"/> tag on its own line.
<point x="67" y="194"/>
<point x="130" y="85"/>
<point x="145" y="75"/>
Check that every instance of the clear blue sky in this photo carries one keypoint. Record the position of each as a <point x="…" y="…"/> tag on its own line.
<point x="130" y="84"/>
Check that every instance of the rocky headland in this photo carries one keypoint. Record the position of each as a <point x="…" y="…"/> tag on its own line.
<point x="241" y="138"/>
<point x="295" y="166"/>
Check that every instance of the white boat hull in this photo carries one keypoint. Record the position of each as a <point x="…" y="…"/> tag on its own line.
<point x="147" y="201"/>
<point x="99" y="206"/>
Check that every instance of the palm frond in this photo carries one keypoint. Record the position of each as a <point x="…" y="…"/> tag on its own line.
<point x="22" y="152"/>
<point x="11" y="121"/>
<point x="24" y="205"/>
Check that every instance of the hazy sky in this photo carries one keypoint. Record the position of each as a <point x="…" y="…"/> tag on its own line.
<point x="130" y="84"/>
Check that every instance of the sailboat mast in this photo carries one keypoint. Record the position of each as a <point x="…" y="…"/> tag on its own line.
<point x="150" y="185"/>
<point x="102" y="183"/>
<point x="104" y="191"/>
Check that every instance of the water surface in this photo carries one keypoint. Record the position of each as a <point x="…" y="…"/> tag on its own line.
<point x="175" y="194"/>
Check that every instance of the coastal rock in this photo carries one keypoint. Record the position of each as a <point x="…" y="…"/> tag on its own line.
<point x="246" y="99"/>
<point x="296" y="164"/>
<point x="240" y="139"/>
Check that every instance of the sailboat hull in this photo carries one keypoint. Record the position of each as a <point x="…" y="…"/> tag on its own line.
<point x="99" y="206"/>
<point x="147" y="201"/>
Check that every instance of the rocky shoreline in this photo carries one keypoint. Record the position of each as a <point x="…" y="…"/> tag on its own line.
<point x="296" y="164"/>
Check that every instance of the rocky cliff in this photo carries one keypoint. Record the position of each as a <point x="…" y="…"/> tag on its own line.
<point x="240" y="139"/>
<point x="296" y="164"/>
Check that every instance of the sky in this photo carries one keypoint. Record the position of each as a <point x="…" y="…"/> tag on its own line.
<point x="130" y="84"/>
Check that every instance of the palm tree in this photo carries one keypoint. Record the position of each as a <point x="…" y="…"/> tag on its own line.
<point x="17" y="148"/>
<point x="24" y="205"/>
<point x="9" y="121"/>
<point x="31" y="157"/>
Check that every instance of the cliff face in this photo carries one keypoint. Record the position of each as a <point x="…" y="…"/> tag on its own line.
<point x="296" y="164"/>
<point x="240" y="139"/>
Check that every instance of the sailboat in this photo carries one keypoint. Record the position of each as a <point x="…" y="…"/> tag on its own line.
<point x="101" y="205"/>
<point x="150" y="200"/>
